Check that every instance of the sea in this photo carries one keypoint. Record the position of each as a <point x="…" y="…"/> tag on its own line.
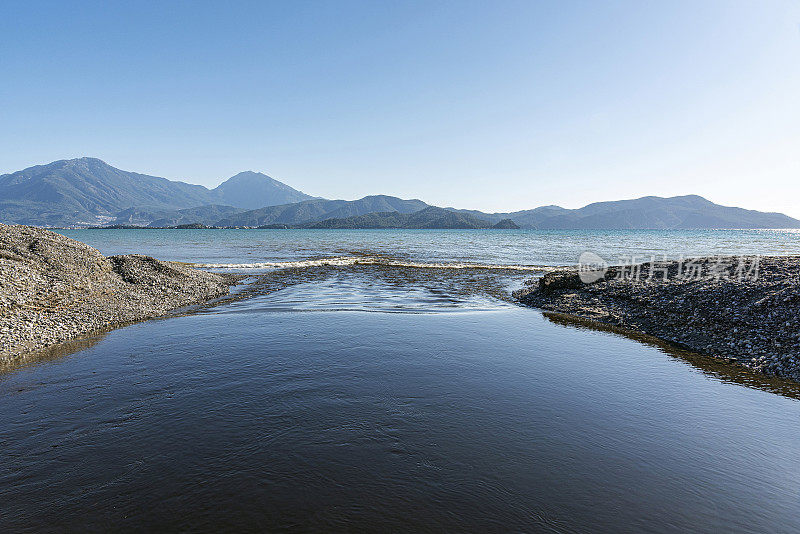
<point x="386" y="381"/>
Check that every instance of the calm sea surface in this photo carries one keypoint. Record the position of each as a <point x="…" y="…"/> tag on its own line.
<point x="525" y="247"/>
<point x="394" y="398"/>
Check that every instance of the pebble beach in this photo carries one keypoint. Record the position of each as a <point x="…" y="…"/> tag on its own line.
<point x="744" y="312"/>
<point x="55" y="289"/>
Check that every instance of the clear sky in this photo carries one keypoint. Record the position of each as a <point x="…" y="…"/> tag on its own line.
<point x="490" y="105"/>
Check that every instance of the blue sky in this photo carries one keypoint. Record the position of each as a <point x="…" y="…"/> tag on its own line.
<point x="489" y="105"/>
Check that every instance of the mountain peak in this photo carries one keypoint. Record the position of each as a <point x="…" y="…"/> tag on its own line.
<point x="88" y="190"/>
<point x="253" y="190"/>
<point x="248" y="174"/>
<point x="84" y="159"/>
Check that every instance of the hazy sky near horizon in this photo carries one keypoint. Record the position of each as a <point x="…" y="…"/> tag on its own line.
<point x="497" y="106"/>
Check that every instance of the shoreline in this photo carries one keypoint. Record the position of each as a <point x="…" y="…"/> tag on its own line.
<point x="751" y="320"/>
<point x="54" y="289"/>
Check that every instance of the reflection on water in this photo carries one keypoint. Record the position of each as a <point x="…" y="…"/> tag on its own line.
<point x="391" y="289"/>
<point x="377" y="398"/>
<point x="51" y="353"/>
<point x="722" y="370"/>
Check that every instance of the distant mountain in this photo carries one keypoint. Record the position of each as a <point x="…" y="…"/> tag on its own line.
<point x="683" y="212"/>
<point x="320" y="209"/>
<point x="658" y="213"/>
<point x="87" y="190"/>
<point x="251" y="190"/>
<point x="204" y="215"/>
<point x="90" y="191"/>
<point x="430" y="217"/>
<point x="139" y="217"/>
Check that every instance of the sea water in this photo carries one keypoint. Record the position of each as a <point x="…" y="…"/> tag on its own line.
<point x="395" y="397"/>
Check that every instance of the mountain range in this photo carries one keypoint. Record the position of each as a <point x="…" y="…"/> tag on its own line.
<point x="650" y="213"/>
<point x="320" y="209"/>
<point x="429" y="217"/>
<point x="88" y="192"/>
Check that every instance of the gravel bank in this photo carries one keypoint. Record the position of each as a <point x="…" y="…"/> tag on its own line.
<point x="53" y="289"/>
<point x="746" y="312"/>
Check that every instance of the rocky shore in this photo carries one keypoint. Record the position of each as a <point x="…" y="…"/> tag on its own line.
<point x="743" y="310"/>
<point x="54" y="289"/>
